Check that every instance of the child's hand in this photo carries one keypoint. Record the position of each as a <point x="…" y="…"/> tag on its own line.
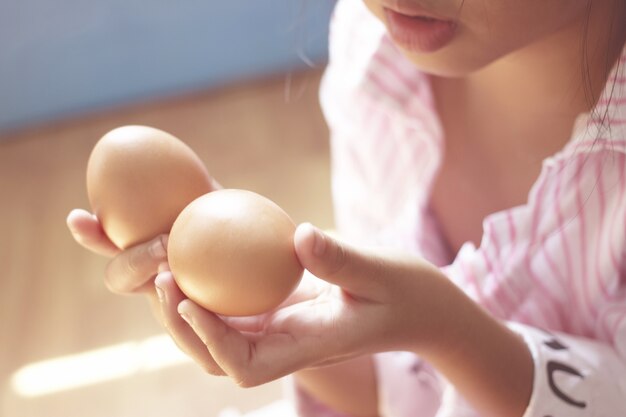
<point x="366" y="302"/>
<point x="129" y="271"/>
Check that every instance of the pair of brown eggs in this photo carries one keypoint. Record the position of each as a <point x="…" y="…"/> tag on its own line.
<point x="231" y="251"/>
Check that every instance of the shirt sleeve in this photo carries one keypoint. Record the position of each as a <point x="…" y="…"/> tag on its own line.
<point x="575" y="376"/>
<point x="558" y="263"/>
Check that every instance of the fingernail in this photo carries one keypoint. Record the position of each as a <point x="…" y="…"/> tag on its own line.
<point x="160" y="293"/>
<point x="73" y="231"/>
<point x="182" y="311"/>
<point x="187" y="318"/>
<point x="69" y="223"/>
<point x="157" y="249"/>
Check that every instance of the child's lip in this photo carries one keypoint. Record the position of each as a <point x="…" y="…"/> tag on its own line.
<point x="419" y="33"/>
<point x="411" y="9"/>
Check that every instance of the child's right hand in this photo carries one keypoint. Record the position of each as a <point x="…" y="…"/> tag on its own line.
<point x="130" y="271"/>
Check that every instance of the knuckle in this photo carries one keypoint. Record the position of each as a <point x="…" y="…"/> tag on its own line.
<point x="133" y="261"/>
<point x="110" y="278"/>
<point x="122" y="271"/>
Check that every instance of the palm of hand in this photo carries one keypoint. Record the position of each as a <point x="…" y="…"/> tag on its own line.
<point x="314" y="319"/>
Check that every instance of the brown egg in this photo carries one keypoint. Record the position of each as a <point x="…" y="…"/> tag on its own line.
<point x="139" y="179"/>
<point x="231" y="251"/>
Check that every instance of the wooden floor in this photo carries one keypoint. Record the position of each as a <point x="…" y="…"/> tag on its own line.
<point x="267" y="136"/>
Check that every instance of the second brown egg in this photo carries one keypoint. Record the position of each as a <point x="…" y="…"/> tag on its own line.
<point x="231" y="251"/>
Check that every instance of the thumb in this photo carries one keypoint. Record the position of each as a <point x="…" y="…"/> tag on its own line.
<point x="326" y="257"/>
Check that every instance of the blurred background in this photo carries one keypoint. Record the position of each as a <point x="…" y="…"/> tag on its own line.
<point x="238" y="82"/>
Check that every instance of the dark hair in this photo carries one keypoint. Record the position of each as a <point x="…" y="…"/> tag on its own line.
<point x="590" y="95"/>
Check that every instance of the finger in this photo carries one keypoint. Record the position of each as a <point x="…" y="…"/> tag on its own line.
<point x="355" y="271"/>
<point x="88" y="232"/>
<point x="253" y="324"/>
<point x="250" y="360"/>
<point x="308" y="288"/>
<point x="184" y="336"/>
<point x="132" y="268"/>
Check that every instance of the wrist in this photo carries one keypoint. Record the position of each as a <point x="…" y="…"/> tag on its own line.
<point x="442" y="315"/>
<point x="486" y="361"/>
<point x="348" y="387"/>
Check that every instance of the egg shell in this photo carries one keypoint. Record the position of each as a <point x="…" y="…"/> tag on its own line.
<point x="139" y="179"/>
<point x="231" y="251"/>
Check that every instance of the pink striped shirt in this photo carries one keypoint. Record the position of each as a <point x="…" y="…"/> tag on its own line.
<point x="553" y="268"/>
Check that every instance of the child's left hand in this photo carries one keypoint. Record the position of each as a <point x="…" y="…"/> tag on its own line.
<point x="365" y="302"/>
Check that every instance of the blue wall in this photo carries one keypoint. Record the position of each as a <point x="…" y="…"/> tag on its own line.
<point x="62" y="57"/>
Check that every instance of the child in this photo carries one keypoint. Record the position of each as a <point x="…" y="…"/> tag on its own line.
<point x="484" y="145"/>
